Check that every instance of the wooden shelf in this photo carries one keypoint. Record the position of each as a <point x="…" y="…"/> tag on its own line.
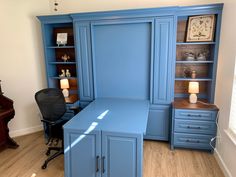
<point x="190" y="79"/>
<point x="60" y="47"/>
<point x="193" y="62"/>
<point x="195" y="43"/>
<point x="71" y="99"/>
<point x="62" y="63"/>
<point x="63" y="77"/>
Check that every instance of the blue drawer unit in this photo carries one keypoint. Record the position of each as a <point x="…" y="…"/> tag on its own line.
<point x="193" y="125"/>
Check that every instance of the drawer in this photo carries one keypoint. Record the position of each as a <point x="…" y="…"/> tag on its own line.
<point x="191" y="126"/>
<point x="193" y="141"/>
<point x="195" y="114"/>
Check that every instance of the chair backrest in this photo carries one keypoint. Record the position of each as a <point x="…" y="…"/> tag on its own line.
<point x="51" y="103"/>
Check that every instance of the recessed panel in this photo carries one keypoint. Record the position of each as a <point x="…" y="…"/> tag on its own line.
<point x="121" y="59"/>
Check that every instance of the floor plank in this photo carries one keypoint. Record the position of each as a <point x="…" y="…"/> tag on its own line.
<point x="159" y="161"/>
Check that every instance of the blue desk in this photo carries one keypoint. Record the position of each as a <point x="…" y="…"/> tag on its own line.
<point x="106" y="139"/>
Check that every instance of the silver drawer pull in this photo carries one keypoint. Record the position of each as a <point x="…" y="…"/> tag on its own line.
<point x="192" y="141"/>
<point x="193" y="127"/>
<point x="194" y="115"/>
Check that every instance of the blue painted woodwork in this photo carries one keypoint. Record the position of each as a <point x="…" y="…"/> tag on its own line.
<point x="106" y="139"/>
<point x="122" y="53"/>
<point x="158" y="123"/>
<point x="131" y="54"/>
<point x="52" y="60"/>
<point x="80" y="153"/>
<point x="163" y="72"/>
<point x="84" y="60"/>
<point x="193" y="128"/>
<point x="123" y="154"/>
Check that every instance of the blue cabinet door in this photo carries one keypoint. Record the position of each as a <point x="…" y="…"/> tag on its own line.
<point x="163" y="65"/>
<point x="82" y="154"/>
<point x="84" y="60"/>
<point x="158" y="123"/>
<point x="121" y="155"/>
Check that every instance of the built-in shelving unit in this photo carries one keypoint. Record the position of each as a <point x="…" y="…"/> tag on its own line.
<point x="204" y="69"/>
<point x="53" y="57"/>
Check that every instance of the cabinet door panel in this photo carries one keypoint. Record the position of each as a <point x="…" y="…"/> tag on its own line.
<point x="158" y="123"/>
<point x="122" y="155"/>
<point x="81" y="152"/>
<point x="163" y="71"/>
<point x="84" y="59"/>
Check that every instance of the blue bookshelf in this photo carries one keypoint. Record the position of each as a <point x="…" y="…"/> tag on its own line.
<point x="204" y="68"/>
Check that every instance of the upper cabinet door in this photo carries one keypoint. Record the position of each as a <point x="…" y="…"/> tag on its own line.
<point x="163" y="71"/>
<point x="84" y="60"/>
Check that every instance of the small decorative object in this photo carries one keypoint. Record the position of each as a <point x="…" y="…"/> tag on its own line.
<point x="193" y="75"/>
<point x="65" y="57"/>
<point x="201" y="28"/>
<point x="62" y="38"/>
<point x="202" y="56"/>
<point x="193" y="89"/>
<point x="186" y="72"/>
<point x="189" y="56"/>
<point x="63" y="74"/>
<point x="68" y="73"/>
<point x="65" y="85"/>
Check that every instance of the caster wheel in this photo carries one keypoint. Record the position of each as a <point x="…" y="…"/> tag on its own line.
<point x="44" y="166"/>
<point x="48" y="153"/>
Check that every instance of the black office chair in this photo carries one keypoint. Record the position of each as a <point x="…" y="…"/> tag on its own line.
<point x="51" y="103"/>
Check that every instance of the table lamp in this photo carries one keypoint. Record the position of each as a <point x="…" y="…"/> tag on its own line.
<point x="193" y="89"/>
<point x="65" y="85"/>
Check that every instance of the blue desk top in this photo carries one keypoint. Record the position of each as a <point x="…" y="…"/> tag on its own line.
<point x="112" y="115"/>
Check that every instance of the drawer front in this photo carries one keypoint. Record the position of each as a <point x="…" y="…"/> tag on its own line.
<point x="193" y="141"/>
<point x="195" y="114"/>
<point x="199" y="127"/>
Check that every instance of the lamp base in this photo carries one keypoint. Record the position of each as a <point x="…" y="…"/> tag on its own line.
<point x="65" y="93"/>
<point x="193" y="98"/>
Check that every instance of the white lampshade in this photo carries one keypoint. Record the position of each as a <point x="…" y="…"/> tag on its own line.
<point x="193" y="87"/>
<point x="64" y="84"/>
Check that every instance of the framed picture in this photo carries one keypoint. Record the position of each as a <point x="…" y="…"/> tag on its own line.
<point x="201" y="28"/>
<point x="62" y="38"/>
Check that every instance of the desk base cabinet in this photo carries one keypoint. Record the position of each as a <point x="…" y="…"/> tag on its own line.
<point x="103" y="154"/>
<point x="158" y="123"/>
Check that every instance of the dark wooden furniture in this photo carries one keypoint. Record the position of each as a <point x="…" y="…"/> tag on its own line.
<point x="7" y="112"/>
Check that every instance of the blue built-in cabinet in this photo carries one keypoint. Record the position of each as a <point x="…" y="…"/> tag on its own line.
<point x="136" y="54"/>
<point x="84" y="60"/>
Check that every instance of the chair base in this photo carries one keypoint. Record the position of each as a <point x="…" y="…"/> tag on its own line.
<point x="59" y="150"/>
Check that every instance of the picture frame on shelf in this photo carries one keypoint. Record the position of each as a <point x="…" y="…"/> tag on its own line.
<point x="62" y="38"/>
<point x="201" y="28"/>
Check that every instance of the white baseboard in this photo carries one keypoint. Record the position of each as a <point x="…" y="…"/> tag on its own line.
<point x="222" y="164"/>
<point x="25" y="131"/>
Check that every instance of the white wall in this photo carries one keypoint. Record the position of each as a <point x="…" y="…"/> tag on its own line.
<point x="21" y="62"/>
<point x="225" y="147"/>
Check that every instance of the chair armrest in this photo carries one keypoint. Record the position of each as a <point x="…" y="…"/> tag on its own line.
<point x="76" y="109"/>
<point x="51" y="122"/>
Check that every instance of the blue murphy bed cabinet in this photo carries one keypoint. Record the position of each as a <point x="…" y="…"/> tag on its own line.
<point x="153" y="38"/>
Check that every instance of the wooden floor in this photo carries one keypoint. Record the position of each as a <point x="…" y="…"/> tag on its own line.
<point x="159" y="161"/>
